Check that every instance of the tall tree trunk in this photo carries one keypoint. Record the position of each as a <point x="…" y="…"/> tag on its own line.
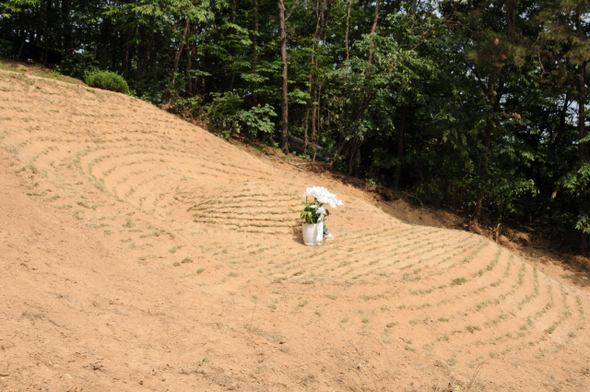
<point x="400" y="149"/>
<point x="582" y="145"/>
<point x="317" y="88"/>
<point x="180" y="49"/>
<point x="352" y="155"/>
<point x="189" y="65"/>
<point x="373" y="29"/>
<point x="491" y="93"/>
<point x="357" y="162"/>
<point x="284" y="144"/>
<point x="581" y="111"/>
<point x="309" y="107"/>
<point x="561" y="127"/>
<point x="255" y="46"/>
<point x="317" y="124"/>
<point x="314" y="115"/>
<point x="309" y="100"/>
<point x="312" y="89"/>
<point x="364" y="104"/>
<point x="581" y="124"/>
<point x="306" y="129"/>
<point x="355" y="157"/>
<point x="347" y="29"/>
<point x="68" y="42"/>
<point x="115" y="51"/>
<point x="127" y="59"/>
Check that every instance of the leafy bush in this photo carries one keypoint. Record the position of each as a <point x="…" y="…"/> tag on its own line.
<point x="106" y="80"/>
<point x="226" y="114"/>
<point x="188" y="108"/>
<point x="76" y="64"/>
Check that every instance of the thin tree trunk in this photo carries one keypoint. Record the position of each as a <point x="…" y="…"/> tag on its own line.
<point x="581" y="114"/>
<point x="355" y="147"/>
<point x="179" y="52"/>
<point x="314" y="115"/>
<point x="313" y="84"/>
<point x="284" y="144"/>
<point x="115" y="54"/>
<point x="357" y="162"/>
<point x="323" y="19"/>
<point x="342" y="143"/>
<point x="373" y="29"/>
<point x="189" y="65"/>
<point x="231" y="84"/>
<point x="317" y="123"/>
<point x="68" y="42"/>
<point x="581" y="125"/>
<point x="127" y="60"/>
<point x="561" y="127"/>
<point x="355" y="157"/>
<point x="400" y="149"/>
<point x="310" y="80"/>
<point x="305" y="130"/>
<point x="255" y="46"/>
<point x="347" y="29"/>
<point x="327" y="5"/>
<point x="511" y="19"/>
<point x="487" y="142"/>
<point x="352" y="154"/>
<point x="142" y="52"/>
<point x="582" y="145"/>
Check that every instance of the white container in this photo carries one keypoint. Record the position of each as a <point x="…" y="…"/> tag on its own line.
<point x="313" y="234"/>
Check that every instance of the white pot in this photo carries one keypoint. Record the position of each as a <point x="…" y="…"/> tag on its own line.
<point x="313" y="234"/>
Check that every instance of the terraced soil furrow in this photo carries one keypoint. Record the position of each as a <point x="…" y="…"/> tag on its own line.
<point x="141" y="252"/>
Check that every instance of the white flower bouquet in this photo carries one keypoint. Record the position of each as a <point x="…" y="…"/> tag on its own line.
<point x="316" y="212"/>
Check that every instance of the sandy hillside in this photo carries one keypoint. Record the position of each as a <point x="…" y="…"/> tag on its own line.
<point x="141" y="253"/>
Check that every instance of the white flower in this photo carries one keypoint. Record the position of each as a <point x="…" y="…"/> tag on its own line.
<point x="321" y="195"/>
<point x="321" y="211"/>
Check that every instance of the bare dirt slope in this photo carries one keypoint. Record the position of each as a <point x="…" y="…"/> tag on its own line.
<point x="141" y="253"/>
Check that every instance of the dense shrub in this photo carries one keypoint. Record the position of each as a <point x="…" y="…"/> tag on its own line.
<point x="227" y="115"/>
<point x="106" y="80"/>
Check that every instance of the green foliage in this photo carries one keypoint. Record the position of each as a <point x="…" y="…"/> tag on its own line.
<point x="10" y="7"/>
<point x="77" y="65"/>
<point x="106" y="80"/>
<point x="258" y="119"/>
<point x="309" y="215"/>
<point x="227" y="115"/>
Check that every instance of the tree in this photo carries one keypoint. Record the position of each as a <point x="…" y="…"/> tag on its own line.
<point x="284" y="144"/>
<point x="568" y="49"/>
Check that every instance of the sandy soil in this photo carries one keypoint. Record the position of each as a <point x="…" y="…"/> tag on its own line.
<point x="141" y="253"/>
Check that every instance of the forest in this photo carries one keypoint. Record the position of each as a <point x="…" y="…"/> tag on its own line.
<point x="477" y="106"/>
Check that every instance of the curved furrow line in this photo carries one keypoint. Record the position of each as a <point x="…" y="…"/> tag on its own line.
<point x="307" y="253"/>
<point x="352" y="263"/>
<point x="170" y="159"/>
<point x="472" y="304"/>
<point x="395" y="262"/>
